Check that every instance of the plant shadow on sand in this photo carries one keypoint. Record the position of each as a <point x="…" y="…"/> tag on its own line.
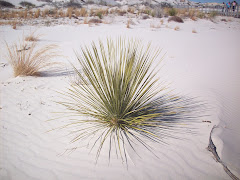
<point x="57" y="72"/>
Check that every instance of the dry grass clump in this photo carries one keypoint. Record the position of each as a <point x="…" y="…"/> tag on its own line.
<point x="83" y="12"/>
<point x="61" y="13"/>
<point x="172" y="12"/>
<point x="85" y="21"/>
<point x="175" y="19"/>
<point x="177" y="28"/>
<point x="121" y="101"/>
<point x="155" y="26"/>
<point x="14" y="25"/>
<point x="161" y="21"/>
<point x="11" y="23"/>
<point x="213" y="14"/>
<point x="128" y="23"/>
<point x="37" y="13"/>
<point x="121" y="12"/>
<point x="194" y="31"/>
<point x="28" y="60"/>
<point x="32" y="37"/>
<point x="200" y="15"/>
<point x="69" y="12"/>
<point x="131" y="10"/>
<point x="23" y="14"/>
<point x="45" y="13"/>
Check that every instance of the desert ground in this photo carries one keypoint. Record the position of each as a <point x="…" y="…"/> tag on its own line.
<point x="201" y="59"/>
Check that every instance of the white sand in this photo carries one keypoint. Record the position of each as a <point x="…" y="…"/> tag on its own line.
<point x="196" y="64"/>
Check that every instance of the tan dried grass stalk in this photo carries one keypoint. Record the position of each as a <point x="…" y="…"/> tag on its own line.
<point x="28" y="60"/>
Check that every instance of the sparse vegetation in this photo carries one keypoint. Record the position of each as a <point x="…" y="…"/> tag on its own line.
<point x="28" y="60"/>
<point x="213" y="14"/>
<point x="172" y="12"/>
<point x="177" y="28"/>
<point x="69" y="12"/>
<point x="37" y="13"/>
<point x="200" y="15"/>
<point x="155" y="26"/>
<point x="128" y="23"/>
<point x="14" y="25"/>
<point x="32" y="37"/>
<point x="162" y="21"/>
<point x="83" y="12"/>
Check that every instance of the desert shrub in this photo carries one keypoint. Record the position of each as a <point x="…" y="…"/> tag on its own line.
<point x="83" y="12"/>
<point x="147" y="11"/>
<point x="161" y="21"/>
<point x="121" y="12"/>
<point x="6" y="4"/>
<point x="69" y="12"/>
<point x="45" y="12"/>
<point x="26" y="4"/>
<point x="32" y="37"/>
<point x="213" y="14"/>
<point x="131" y="10"/>
<point x="192" y="13"/>
<point x="61" y="13"/>
<point x="117" y="96"/>
<point x="99" y="14"/>
<point x="182" y="12"/>
<point x="28" y="60"/>
<point x="177" y="28"/>
<point x="200" y="15"/>
<point x="155" y="26"/>
<point x="172" y="12"/>
<point x="37" y="13"/>
<point x="194" y="31"/>
<point x="129" y="22"/>
<point x="14" y="25"/>
<point x="176" y="19"/>
<point x="94" y="21"/>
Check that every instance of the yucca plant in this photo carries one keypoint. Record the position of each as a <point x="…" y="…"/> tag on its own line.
<point x="118" y="97"/>
<point x="27" y="59"/>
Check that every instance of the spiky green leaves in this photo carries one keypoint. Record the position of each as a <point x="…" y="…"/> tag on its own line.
<point x="119" y="94"/>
